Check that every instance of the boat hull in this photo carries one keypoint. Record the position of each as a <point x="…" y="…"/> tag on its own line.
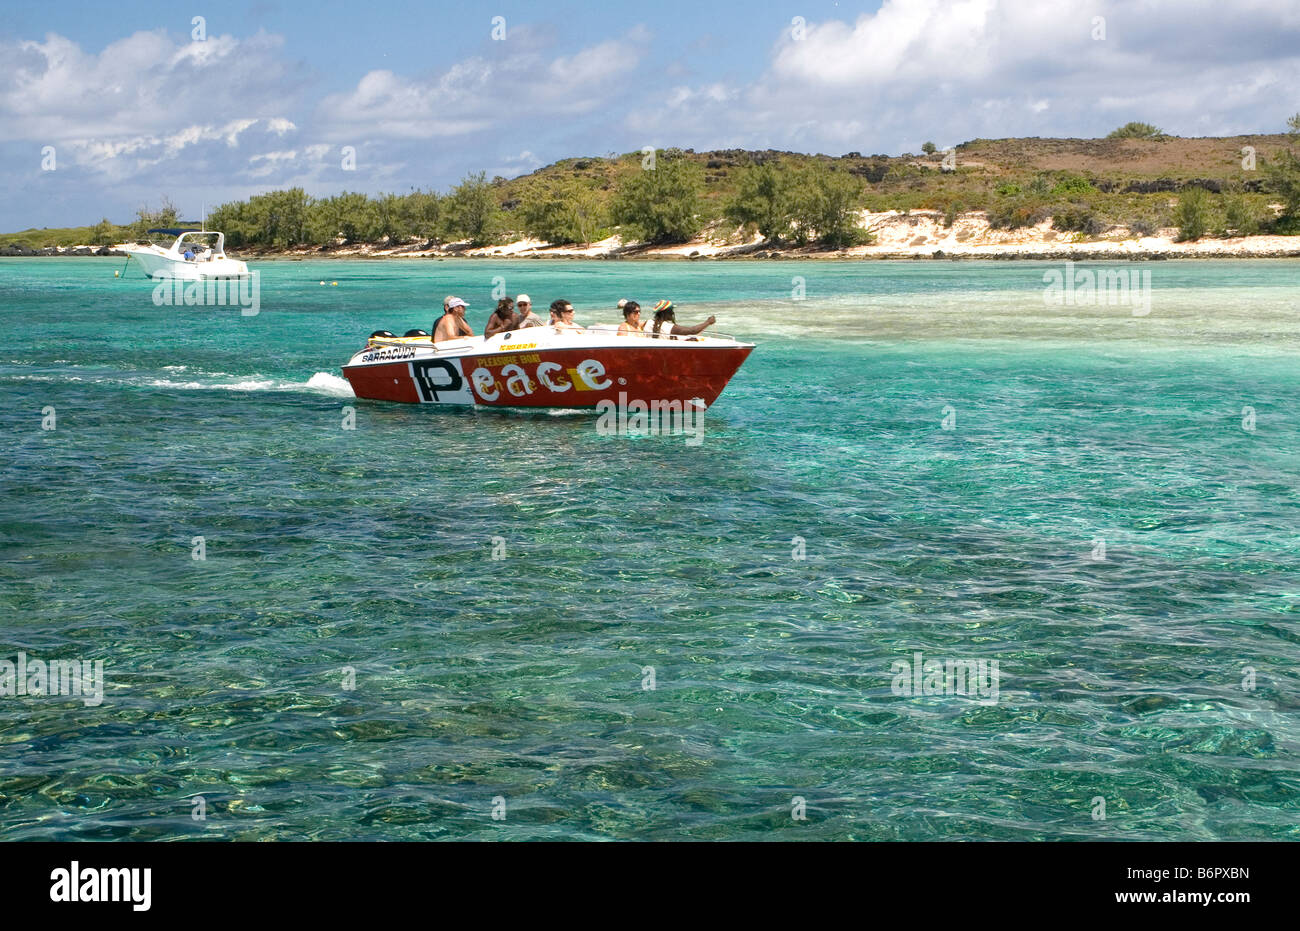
<point x="551" y="377"/>
<point x="161" y="267"/>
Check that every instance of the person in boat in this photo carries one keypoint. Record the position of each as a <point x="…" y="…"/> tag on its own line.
<point x="665" y="323"/>
<point x="562" y="315"/>
<point x="525" y="316"/>
<point x="189" y="253"/>
<point x="501" y="319"/>
<point x="632" y="322"/>
<point x="452" y="325"/>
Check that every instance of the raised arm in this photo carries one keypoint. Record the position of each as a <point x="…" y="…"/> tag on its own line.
<point x="679" y="330"/>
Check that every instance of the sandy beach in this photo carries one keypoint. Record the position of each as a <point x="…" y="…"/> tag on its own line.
<point x="917" y="234"/>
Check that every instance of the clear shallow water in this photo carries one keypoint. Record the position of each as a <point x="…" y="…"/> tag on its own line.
<point x="522" y="678"/>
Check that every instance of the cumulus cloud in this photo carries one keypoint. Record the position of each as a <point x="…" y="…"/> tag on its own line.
<point x="146" y="83"/>
<point x="960" y="69"/>
<point x="480" y="92"/>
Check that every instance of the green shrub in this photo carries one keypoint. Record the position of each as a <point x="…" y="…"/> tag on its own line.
<point x="1136" y="131"/>
<point x="950" y="212"/>
<point x="1039" y="186"/>
<point x="1078" y="218"/>
<point x="1016" y="212"/>
<point x="1073" y="186"/>
<point x="105" y="233"/>
<point x="1143" y="226"/>
<point x="1285" y="226"/>
<point x="1241" y="216"/>
<point x="1194" y="216"/>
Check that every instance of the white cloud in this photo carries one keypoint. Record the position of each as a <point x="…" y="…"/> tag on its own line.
<point x="265" y="163"/>
<point x="917" y="39"/>
<point x="478" y="93"/>
<point x="962" y="69"/>
<point x="146" y="83"/>
<point x="274" y="156"/>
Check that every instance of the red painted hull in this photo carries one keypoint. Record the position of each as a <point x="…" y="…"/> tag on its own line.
<point x="554" y="377"/>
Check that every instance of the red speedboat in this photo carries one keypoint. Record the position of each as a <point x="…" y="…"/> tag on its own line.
<point x="545" y="366"/>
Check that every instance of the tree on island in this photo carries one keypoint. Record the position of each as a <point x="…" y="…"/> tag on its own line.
<point x="1283" y="171"/>
<point x="422" y="214"/>
<point x="661" y="204"/>
<point x="764" y="200"/>
<point x="104" y="233"/>
<point x="147" y="219"/>
<point x="472" y="210"/>
<point x="561" y="212"/>
<point x="826" y="204"/>
<point x="350" y="215"/>
<point x="1193" y="215"/>
<point x="929" y="148"/>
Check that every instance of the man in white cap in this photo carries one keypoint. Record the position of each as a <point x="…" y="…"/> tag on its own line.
<point x="524" y="316"/>
<point x="452" y="325"/>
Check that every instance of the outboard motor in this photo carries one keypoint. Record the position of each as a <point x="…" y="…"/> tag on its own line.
<point x="383" y="333"/>
<point x="415" y="333"/>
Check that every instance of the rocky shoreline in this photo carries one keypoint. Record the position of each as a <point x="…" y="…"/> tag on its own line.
<point x="14" y="251"/>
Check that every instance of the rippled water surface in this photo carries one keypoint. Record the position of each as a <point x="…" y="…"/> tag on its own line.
<point x="1160" y="678"/>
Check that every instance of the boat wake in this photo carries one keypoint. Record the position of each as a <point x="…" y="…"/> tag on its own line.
<point x="320" y="383"/>
<point x="334" y="385"/>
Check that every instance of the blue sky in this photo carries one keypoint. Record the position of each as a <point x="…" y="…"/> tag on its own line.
<point x="134" y="107"/>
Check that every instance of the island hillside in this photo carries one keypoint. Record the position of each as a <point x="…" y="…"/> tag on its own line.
<point x="1136" y="192"/>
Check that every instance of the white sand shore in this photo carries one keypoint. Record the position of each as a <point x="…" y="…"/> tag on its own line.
<point x="918" y="234"/>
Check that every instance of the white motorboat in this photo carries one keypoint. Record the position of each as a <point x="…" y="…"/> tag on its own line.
<point x="194" y="255"/>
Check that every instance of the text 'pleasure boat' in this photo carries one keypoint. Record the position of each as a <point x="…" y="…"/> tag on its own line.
<point x="546" y="366"/>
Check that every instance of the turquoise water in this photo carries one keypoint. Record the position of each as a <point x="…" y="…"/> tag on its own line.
<point x="522" y="680"/>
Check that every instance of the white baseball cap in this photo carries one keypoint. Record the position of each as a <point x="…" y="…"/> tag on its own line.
<point x="523" y="299"/>
<point x="455" y="302"/>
